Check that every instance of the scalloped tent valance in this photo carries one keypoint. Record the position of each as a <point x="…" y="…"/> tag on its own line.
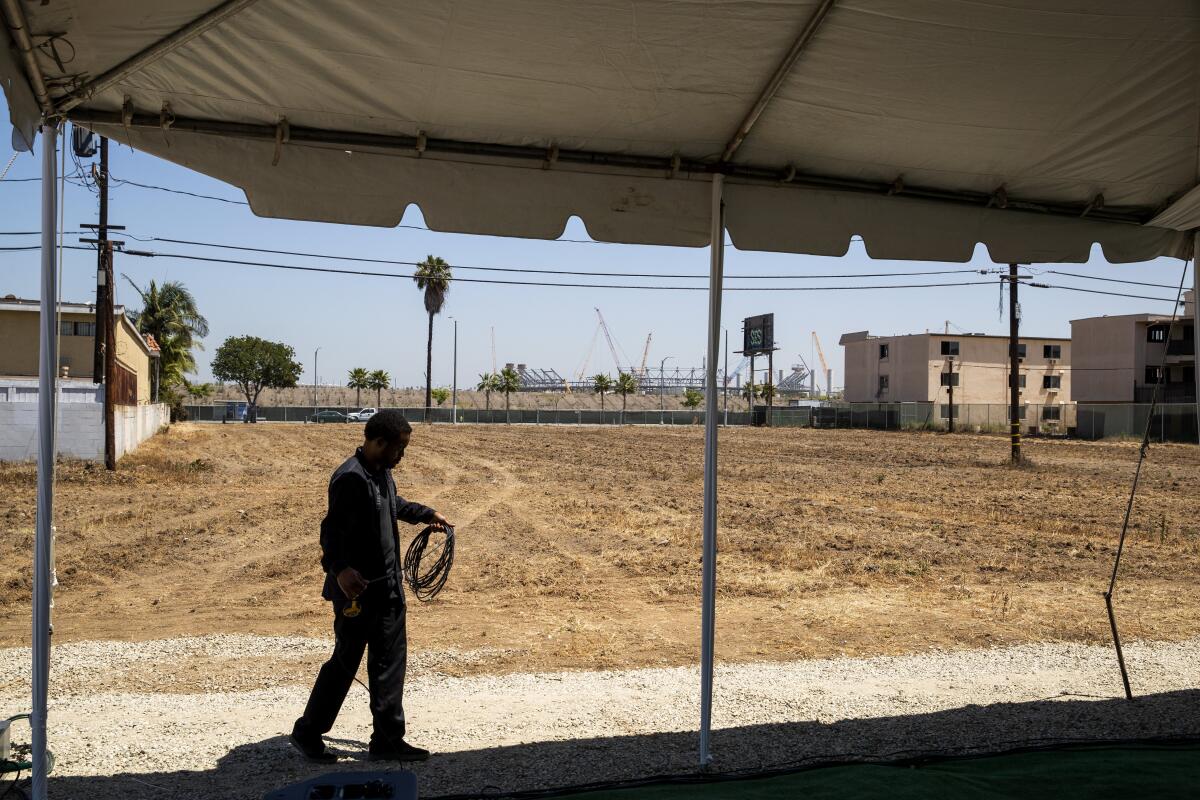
<point x="925" y="126"/>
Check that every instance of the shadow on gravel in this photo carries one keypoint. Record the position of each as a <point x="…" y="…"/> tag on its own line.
<point x="251" y="769"/>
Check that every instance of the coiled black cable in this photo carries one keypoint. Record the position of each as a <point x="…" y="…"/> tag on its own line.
<point x="428" y="581"/>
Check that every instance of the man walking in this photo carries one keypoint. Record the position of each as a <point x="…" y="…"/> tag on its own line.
<point x="360" y="552"/>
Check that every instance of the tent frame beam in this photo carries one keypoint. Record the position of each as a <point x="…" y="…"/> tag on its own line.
<point x="776" y="80"/>
<point x="18" y="27"/>
<point x="154" y="52"/>
<point x="662" y="165"/>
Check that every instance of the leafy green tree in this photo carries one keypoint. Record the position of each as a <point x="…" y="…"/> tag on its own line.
<point x="360" y="379"/>
<point x="170" y="315"/>
<point x="255" y="364"/>
<point x="379" y="380"/>
<point x="508" y="381"/>
<point x="601" y="383"/>
<point x="433" y="278"/>
<point x="487" y="385"/>
<point x="626" y="385"/>
<point x="692" y="398"/>
<point x="441" y="394"/>
<point x="767" y="392"/>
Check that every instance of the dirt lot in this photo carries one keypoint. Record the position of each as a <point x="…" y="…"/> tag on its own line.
<point x="580" y="547"/>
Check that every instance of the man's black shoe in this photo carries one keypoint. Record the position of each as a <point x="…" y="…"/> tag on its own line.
<point x="310" y="745"/>
<point x="400" y="751"/>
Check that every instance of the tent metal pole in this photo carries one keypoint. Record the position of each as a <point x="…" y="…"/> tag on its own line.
<point x="716" y="276"/>
<point x="1196" y="324"/>
<point x="47" y="367"/>
<point x="19" y="30"/>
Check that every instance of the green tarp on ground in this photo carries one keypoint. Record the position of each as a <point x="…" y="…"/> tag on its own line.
<point x="1158" y="771"/>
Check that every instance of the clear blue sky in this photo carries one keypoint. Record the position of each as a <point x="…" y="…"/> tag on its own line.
<point x="380" y="323"/>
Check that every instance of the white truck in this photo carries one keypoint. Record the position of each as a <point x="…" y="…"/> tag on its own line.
<point x="361" y="415"/>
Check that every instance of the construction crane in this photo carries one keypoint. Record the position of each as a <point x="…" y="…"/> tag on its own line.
<point x="645" y="355"/>
<point x="612" y="346"/>
<point x="824" y="366"/>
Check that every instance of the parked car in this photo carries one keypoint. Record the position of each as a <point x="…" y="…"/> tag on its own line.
<point x="362" y="415"/>
<point x="328" y="416"/>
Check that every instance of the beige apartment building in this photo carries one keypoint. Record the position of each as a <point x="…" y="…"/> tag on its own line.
<point x="921" y="367"/>
<point x="19" y="335"/>
<point x="1121" y="359"/>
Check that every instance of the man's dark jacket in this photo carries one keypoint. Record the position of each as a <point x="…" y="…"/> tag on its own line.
<point x="360" y="528"/>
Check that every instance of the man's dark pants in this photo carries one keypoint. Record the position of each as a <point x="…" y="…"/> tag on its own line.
<point x="380" y="630"/>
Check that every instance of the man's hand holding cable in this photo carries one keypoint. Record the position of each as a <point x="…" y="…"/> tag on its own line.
<point x="351" y="582"/>
<point x="439" y="522"/>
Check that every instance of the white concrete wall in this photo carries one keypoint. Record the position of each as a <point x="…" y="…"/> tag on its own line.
<point x="80" y="429"/>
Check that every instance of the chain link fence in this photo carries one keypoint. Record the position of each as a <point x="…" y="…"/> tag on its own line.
<point x="1171" y="421"/>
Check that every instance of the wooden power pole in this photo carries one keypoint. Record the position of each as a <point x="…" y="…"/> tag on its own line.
<point x="110" y="362"/>
<point x="1014" y="365"/>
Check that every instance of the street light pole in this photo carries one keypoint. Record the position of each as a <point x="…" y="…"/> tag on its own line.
<point x="315" y="411"/>
<point x="454" y="390"/>
<point x="662" y="381"/>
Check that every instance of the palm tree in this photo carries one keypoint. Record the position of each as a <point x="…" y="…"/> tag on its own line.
<point x="601" y="383"/>
<point x="359" y="379"/>
<point x="767" y="392"/>
<point x="379" y="380"/>
<point x="750" y="391"/>
<point x="169" y="314"/>
<point x="433" y="278"/>
<point x="625" y="386"/>
<point x="487" y="384"/>
<point x="508" y="382"/>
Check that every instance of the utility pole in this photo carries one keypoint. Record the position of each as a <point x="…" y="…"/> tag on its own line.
<point x="662" y="380"/>
<point x="110" y="362"/>
<point x="102" y="286"/>
<point x="104" y="349"/>
<point x="1014" y="381"/>
<point x="454" y="385"/>
<point x="315" y="410"/>
<point x="950" y="387"/>
<point x="726" y="377"/>
<point x="771" y="381"/>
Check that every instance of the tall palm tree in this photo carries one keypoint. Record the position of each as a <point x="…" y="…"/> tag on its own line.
<point x="601" y="383"/>
<point x="379" y="380"/>
<point x="625" y="386"/>
<point x="508" y="382"/>
<point x="487" y="384"/>
<point x="433" y="278"/>
<point x="750" y="391"/>
<point x="170" y="315"/>
<point x="360" y="379"/>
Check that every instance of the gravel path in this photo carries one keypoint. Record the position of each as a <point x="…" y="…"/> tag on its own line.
<point x="527" y="730"/>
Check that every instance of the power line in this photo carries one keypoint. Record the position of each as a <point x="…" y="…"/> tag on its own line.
<point x="1099" y="291"/>
<point x="1109" y="280"/>
<point x="531" y="270"/>
<point x="493" y="281"/>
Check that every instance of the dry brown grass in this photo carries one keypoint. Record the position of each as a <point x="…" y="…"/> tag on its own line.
<point x="580" y="547"/>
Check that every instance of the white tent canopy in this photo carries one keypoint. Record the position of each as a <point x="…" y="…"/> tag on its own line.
<point x="925" y="126"/>
<point x="1036" y="127"/>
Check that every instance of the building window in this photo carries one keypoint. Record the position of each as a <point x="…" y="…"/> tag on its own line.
<point x="1021" y="349"/>
<point x="68" y="328"/>
<point x="950" y="378"/>
<point x="883" y="383"/>
<point x="1051" y="413"/>
<point x="1154" y="375"/>
<point x="1052" y="351"/>
<point x="1021" y="411"/>
<point x="946" y="407"/>
<point x="1052" y="381"/>
<point x="1156" y="333"/>
<point x="949" y="348"/>
<point x="1020" y="381"/>
<point x="883" y="351"/>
